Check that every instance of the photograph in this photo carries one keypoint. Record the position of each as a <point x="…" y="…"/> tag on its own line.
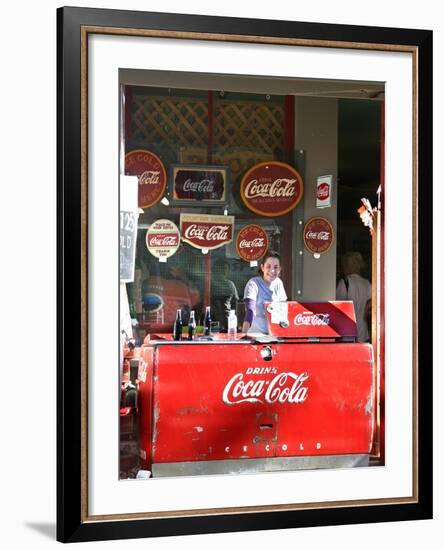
<point x="270" y="358"/>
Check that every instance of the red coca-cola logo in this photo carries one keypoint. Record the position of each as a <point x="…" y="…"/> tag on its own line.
<point x="206" y="232"/>
<point x="251" y="243"/>
<point x="163" y="239"/>
<point x="271" y="188"/>
<point x="323" y="191"/>
<point x="284" y="387"/>
<point x="318" y="235"/>
<point x="151" y="175"/>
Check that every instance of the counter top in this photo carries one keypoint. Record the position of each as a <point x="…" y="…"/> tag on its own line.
<point x="216" y="338"/>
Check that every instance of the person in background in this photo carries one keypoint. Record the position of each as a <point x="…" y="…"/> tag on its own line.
<point x="266" y="287"/>
<point x="352" y="286"/>
<point x="224" y="295"/>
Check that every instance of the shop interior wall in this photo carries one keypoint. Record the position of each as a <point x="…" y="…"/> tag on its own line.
<point x="316" y="132"/>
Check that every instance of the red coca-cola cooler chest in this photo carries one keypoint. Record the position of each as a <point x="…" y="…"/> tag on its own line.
<point x="300" y="397"/>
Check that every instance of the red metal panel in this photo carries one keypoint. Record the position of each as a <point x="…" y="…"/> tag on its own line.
<point x="312" y="319"/>
<point x="145" y="404"/>
<point x="222" y="401"/>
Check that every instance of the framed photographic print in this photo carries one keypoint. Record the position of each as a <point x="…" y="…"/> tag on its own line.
<point x="203" y="388"/>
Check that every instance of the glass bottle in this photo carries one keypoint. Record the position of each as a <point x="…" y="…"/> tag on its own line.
<point x="177" y="330"/>
<point x="207" y="321"/>
<point x="191" y="326"/>
<point x="232" y="325"/>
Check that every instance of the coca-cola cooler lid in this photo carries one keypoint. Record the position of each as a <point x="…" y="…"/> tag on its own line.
<point x="332" y="319"/>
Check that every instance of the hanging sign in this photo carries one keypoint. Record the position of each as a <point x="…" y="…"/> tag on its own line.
<point x="251" y="243"/>
<point x="127" y="241"/>
<point x="127" y="228"/>
<point x="205" y="231"/>
<point x="323" y="191"/>
<point x="196" y="185"/>
<point x="163" y="239"/>
<point x="271" y="188"/>
<point x="151" y="174"/>
<point x="318" y="235"/>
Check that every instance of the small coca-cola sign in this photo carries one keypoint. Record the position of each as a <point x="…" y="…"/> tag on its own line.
<point x="271" y="188"/>
<point x="151" y="174"/>
<point x="323" y="191"/>
<point x="318" y="235"/>
<point x="311" y="319"/>
<point x="251" y="243"/>
<point x="206" y="232"/>
<point x="198" y="185"/>
<point x="163" y="239"/>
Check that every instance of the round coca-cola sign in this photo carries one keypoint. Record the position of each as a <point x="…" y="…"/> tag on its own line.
<point x="318" y="235"/>
<point x="163" y="239"/>
<point x="151" y="174"/>
<point x="271" y="188"/>
<point x="251" y="243"/>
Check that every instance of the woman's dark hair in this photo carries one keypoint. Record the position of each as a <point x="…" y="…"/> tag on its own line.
<point x="268" y="254"/>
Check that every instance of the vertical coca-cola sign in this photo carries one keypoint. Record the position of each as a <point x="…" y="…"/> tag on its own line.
<point x="205" y="231"/>
<point x="323" y="191"/>
<point x="151" y="174"/>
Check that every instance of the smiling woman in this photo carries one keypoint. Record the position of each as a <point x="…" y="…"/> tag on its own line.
<point x="267" y="287"/>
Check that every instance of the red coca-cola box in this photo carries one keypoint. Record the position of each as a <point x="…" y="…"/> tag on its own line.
<point x="222" y="401"/>
<point x="333" y="319"/>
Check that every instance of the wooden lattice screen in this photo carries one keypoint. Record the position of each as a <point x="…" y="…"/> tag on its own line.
<point x="173" y="121"/>
<point x="249" y="125"/>
<point x="180" y="126"/>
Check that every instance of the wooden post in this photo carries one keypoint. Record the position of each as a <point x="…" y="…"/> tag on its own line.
<point x="374" y="219"/>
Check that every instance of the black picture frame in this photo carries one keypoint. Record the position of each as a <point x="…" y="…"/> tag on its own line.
<point x="73" y="522"/>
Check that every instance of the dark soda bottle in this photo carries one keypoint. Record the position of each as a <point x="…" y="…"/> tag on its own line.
<point x="177" y="330"/>
<point x="207" y="321"/>
<point x="191" y="326"/>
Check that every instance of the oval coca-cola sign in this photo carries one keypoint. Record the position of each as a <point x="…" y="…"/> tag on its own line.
<point x="251" y="243"/>
<point x="205" y="231"/>
<point x="271" y="188"/>
<point x="318" y="235"/>
<point x="163" y="239"/>
<point x="151" y="174"/>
